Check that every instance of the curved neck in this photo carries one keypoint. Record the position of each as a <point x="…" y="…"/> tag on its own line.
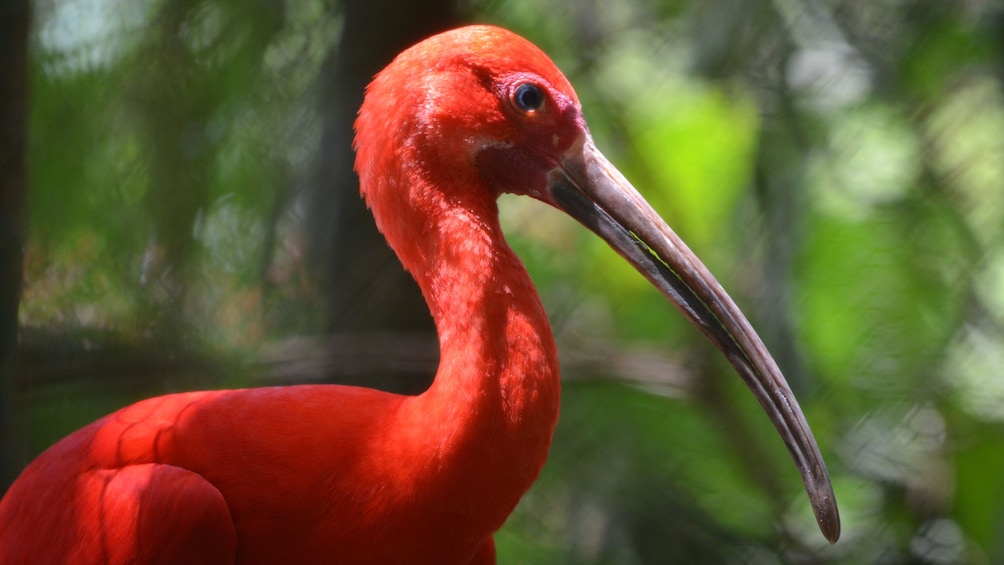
<point x="490" y="414"/>
<point x="498" y="358"/>
<point x="497" y="350"/>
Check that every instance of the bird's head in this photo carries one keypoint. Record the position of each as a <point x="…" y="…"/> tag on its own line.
<point x="472" y="113"/>
<point x="478" y="102"/>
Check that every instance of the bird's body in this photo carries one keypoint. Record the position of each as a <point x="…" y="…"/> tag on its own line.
<point x="370" y="483"/>
<point x="333" y="474"/>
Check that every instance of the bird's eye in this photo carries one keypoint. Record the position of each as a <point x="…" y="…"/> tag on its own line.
<point x="528" y="97"/>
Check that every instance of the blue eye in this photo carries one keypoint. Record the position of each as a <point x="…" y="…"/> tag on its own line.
<point x="528" y="97"/>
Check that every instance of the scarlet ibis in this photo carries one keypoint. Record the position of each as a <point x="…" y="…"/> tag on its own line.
<point x="326" y="474"/>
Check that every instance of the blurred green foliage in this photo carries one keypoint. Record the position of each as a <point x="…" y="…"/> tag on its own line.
<point x="838" y="164"/>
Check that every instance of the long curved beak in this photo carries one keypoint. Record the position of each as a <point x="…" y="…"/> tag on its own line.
<point x="590" y="189"/>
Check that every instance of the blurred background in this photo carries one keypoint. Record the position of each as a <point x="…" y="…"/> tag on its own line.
<point x="178" y="211"/>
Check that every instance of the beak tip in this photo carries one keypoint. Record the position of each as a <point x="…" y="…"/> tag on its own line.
<point x="824" y="506"/>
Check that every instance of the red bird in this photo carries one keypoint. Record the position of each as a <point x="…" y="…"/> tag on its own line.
<point x="335" y="474"/>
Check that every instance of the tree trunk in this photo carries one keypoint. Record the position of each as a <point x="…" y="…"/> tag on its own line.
<point x="367" y="290"/>
<point x="14" y="23"/>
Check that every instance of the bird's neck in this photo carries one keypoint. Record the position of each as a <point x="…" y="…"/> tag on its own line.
<point x="496" y="395"/>
<point x="499" y="357"/>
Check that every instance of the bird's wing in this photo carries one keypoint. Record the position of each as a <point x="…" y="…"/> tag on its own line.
<point x="148" y="513"/>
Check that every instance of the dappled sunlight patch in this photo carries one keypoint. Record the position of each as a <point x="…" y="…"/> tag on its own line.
<point x="965" y="130"/>
<point x="941" y="541"/>
<point x="88" y="35"/>
<point x="871" y="160"/>
<point x="974" y="369"/>
<point x="903" y="444"/>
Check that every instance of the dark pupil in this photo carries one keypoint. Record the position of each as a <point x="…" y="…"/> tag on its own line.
<point x="529" y="97"/>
